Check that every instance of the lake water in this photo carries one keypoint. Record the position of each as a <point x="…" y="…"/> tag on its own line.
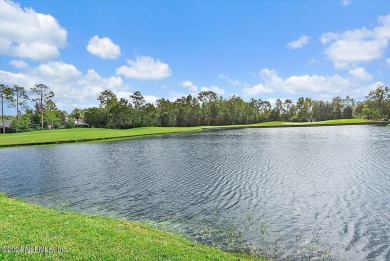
<point x="288" y="193"/>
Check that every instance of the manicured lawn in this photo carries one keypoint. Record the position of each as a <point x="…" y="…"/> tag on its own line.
<point x="73" y="236"/>
<point x="83" y="134"/>
<point x="329" y="122"/>
<point x="292" y="124"/>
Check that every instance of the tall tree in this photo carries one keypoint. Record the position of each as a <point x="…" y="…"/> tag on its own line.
<point x="138" y="101"/>
<point x="44" y="95"/>
<point x="287" y="104"/>
<point x="107" y="99"/>
<point x="122" y="115"/>
<point x="96" y="117"/>
<point x="337" y="103"/>
<point x="77" y="114"/>
<point x="206" y="98"/>
<point x="265" y="109"/>
<point x="151" y="115"/>
<point x="6" y="95"/>
<point x="279" y="109"/>
<point x="20" y="99"/>
<point x="53" y="116"/>
<point x="379" y="100"/>
<point x="167" y="114"/>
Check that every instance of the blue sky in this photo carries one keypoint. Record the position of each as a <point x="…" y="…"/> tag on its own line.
<point x="167" y="49"/>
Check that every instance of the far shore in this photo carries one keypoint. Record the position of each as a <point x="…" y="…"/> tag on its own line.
<point x="59" y="136"/>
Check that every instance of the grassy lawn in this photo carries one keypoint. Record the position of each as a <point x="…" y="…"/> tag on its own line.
<point x="329" y="122"/>
<point x="73" y="236"/>
<point x="292" y="124"/>
<point x="82" y="134"/>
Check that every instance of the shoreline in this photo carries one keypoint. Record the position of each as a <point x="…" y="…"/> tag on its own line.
<point x="102" y="139"/>
<point x="130" y="134"/>
<point x="294" y="125"/>
<point x="41" y="236"/>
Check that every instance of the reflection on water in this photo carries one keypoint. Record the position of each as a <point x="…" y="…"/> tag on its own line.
<point x="290" y="193"/>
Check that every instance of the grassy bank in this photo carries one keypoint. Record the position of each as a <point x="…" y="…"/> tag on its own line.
<point x="81" y="134"/>
<point x="71" y="236"/>
<point x="302" y="124"/>
<point x="323" y="123"/>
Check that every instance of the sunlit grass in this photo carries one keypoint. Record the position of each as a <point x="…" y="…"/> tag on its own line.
<point x="329" y="122"/>
<point x="73" y="236"/>
<point x="84" y="134"/>
<point x="288" y="124"/>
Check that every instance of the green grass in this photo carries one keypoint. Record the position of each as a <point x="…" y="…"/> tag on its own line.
<point x="82" y="134"/>
<point x="293" y="124"/>
<point x="86" y="237"/>
<point x="320" y="123"/>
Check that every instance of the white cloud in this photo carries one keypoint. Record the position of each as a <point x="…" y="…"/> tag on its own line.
<point x="151" y="99"/>
<point x="187" y="84"/>
<point x="231" y="81"/>
<point x="173" y="95"/>
<point x="71" y="87"/>
<point x="303" y="83"/>
<point x="92" y="78"/>
<point x="345" y="2"/>
<point x="192" y="88"/>
<point x="301" y="41"/>
<point x="388" y="61"/>
<point x="59" y="70"/>
<point x="21" y="79"/>
<point x="145" y="68"/>
<point x="103" y="47"/>
<point x="18" y="64"/>
<point x="315" y="86"/>
<point x="361" y="74"/>
<point x="123" y="94"/>
<point x="215" y="89"/>
<point x="328" y="37"/>
<point x="272" y="101"/>
<point x="256" y="90"/>
<point x="356" y="46"/>
<point x="28" y="34"/>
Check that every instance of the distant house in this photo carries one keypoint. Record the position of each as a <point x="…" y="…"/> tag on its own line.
<point x="78" y="123"/>
<point x="7" y="124"/>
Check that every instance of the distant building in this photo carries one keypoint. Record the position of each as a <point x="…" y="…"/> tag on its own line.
<point x="7" y="124"/>
<point x="78" y="123"/>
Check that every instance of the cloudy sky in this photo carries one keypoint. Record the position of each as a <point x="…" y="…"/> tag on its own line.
<point x="167" y="49"/>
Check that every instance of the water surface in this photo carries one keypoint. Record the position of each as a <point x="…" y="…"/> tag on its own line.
<point x="288" y="193"/>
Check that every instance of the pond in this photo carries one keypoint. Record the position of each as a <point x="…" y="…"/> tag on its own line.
<point x="287" y="193"/>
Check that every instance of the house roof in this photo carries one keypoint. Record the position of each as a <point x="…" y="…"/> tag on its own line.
<point x="79" y="122"/>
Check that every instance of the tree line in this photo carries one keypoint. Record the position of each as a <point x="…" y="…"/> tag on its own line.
<point x="207" y="108"/>
<point x="45" y="112"/>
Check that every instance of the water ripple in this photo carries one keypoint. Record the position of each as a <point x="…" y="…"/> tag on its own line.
<point x="286" y="193"/>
